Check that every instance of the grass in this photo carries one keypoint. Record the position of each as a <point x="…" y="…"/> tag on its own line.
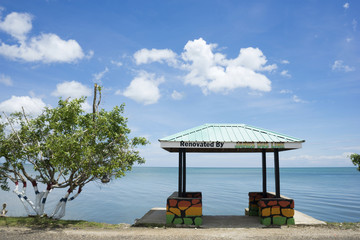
<point x="44" y="222"/>
<point x="343" y="225"/>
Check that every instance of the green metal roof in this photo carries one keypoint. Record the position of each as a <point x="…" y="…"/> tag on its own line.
<point x="229" y="133"/>
<point x="229" y="138"/>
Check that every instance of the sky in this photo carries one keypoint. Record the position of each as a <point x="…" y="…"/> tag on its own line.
<point x="287" y="66"/>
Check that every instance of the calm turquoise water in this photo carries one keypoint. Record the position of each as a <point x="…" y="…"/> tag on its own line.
<point x="329" y="194"/>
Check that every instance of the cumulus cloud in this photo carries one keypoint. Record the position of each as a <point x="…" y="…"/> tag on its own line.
<point x="144" y="88"/>
<point x="46" y="47"/>
<point x="346" y="5"/>
<point x="17" y="25"/>
<point x="6" y="80"/>
<point x="100" y="75"/>
<point x="340" y="66"/>
<point x="71" y="89"/>
<point x="177" y="95"/>
<point x="31" y="105"/>
<point x="209" y="69"/>
<point x="285" y="73"/>
<point x="145" y="56"/>
<point x="285" y="62"/>
<point x="213" y="72"/>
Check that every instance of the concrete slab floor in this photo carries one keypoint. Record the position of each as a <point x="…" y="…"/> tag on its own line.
<point x="157" y="216"/>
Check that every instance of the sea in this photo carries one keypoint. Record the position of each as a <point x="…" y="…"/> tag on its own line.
<point x="328" y="194"/>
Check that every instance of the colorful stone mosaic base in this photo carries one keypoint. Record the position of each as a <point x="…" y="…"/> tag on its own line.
<point x="184" y="210"/>
<point x="272" y="210"/>
<point x="276" y="211"/>
<point x="254" y="198"/>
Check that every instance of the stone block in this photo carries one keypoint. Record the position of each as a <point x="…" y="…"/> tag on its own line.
<point x="275" y="210"/>
<point x="182" y="205"/>
<point x="284" y="203"/>
<point x="194" y="211"/>
<point x="288" y="212"/>
<point x="198" y="221"/>
<point x="265" y="212"/>
<point x="261" y="204"/>
<point x="266" y="221"/>
<point x="188" y="221"/>
<point x="277" y="220"/>
<point x="175" y="211"/>
<point x="169" y="218"/>
<point x="178" y="221"/>
<point x="172" y="202"/>
<point x="290" y="221"/>
<point x="272" y="203"/>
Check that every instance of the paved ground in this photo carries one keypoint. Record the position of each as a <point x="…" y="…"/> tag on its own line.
<point x="214" y="228"/>
<point x="158" y="216"/>
<point x="127" y="232"/>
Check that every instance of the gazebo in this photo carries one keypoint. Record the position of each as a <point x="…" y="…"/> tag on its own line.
<point x="186" y="207"/>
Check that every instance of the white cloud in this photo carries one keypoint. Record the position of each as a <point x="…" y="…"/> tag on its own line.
<point x="31" y="105"/>
<point x="119" y="64"/>
<point x="6" y="80"/>
<point x="86" y="107"/>
<point x="144" y="88"/>
<point x="339" y="66"/>
<point x="214" y="73"/>
<point x="285" y="73"/>
<point x="285" y="91"/>
<point x="71" y="89"/>
<point x="346" y="5"/>
<point x="176" y="95"/>
<point x="145" y="56"/>
<point x="285" y="62"/>
<point x="17" y="25"/>
<point x="297" y="99"/>
<point x="100" y="75"/>
<point x="90" y="54"/>
<point x="349" y="39"/>
<point x="321" y="157"/>
<point x="294" y="98"/>
<point x="46" y="47"/>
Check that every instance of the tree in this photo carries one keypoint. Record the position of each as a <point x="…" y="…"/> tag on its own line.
<point x="67" y="148"/>
<point x="355" y="158"/>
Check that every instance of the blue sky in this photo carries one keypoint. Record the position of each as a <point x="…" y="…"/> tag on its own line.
<point x="287" y="66"/>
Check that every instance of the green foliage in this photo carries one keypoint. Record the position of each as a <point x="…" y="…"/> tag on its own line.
<point x="45" y="223"/>
<point x="68" y="147"/>
<point x="3" y="179"/>
<point x="355" y="158"/>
